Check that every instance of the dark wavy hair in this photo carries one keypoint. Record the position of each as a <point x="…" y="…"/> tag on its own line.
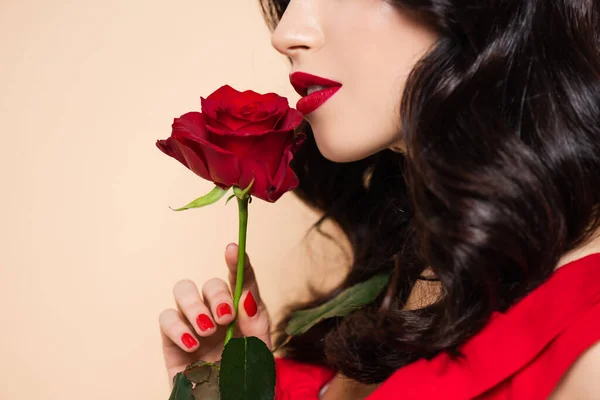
<point x="500" y="178"/>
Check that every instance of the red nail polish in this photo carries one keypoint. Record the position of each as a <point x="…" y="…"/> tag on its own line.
<point x="223" y="309"/>
<point x="188" y="340"/>
<point x="250" y="305"/>
<point x="204" y="322"/>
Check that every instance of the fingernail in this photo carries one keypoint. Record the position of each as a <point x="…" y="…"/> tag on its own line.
<point x="204" y="323"/>
<point x="223" y="309"/>
<point x="250" y="305"/>
<point x="188" y="340"/>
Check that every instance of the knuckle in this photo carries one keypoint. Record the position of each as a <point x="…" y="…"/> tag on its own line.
<point x="260" y="328"/>
<point x="264" y="325"/>
<point x="213" y="281"/>
<point x="249" y="271"/>
<point x="168" y="318"/>
<point x="183" y="285"/>
<point x="214" y="285"/>
<point x="192" y="304"/>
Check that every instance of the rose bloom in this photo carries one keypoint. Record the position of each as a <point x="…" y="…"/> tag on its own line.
<point x="237" y="138"/>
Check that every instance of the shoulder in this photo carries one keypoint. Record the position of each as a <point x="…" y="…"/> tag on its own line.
<point x="546" y="343"/>
<point x="581" y="380"/>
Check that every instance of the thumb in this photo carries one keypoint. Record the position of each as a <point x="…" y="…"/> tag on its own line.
<point x="231" y="259"/>
<point x="252" y="317"/>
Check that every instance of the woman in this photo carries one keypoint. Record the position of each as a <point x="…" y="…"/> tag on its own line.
<point x="457" y="143"/>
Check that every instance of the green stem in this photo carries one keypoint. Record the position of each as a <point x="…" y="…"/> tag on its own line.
<point x="243" y="227"/>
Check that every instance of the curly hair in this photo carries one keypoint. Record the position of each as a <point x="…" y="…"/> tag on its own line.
<point x="500" y="178"/>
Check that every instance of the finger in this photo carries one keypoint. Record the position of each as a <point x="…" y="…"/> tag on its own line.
<point x="217" y="297"/>
<point x="175" y="332"/>
<point x="253" y="318"/>
<point x="231" y="259"/>
<point x="191" y="305"/>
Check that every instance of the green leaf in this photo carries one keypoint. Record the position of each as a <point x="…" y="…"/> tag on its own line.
<point x="210" y="198"/>
<point x="205" y="391"/>
<point x="247" y="370"/>
<point x="343" y="304"/>
<point x="182" y="388"/>
<point x="202" y="371"/>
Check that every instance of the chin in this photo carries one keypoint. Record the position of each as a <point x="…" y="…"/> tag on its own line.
<point x="344" y="153"/>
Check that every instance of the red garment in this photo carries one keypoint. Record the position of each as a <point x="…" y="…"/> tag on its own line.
<point x="297" y="381"/>
<point x="520" y="354"/>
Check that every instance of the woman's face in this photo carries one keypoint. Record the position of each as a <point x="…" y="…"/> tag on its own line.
<point x="367" y="46"/>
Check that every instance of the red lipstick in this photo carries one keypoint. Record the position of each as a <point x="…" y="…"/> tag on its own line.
<point x="310" y="102"/>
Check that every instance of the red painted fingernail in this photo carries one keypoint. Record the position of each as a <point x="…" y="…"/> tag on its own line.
<point x="204" y="323"/>
<point x="250" y="305"/>
<point x="223" y="309"/>
<point x="188" y="340"/>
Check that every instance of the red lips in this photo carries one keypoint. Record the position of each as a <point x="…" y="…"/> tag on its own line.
<point x="308" y="103"/>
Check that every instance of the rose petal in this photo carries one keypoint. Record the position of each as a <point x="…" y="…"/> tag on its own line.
<point x="265" y="187"/>
<point x="225" y="132"/>
<point x="217" y="114"/>
<point x="177" y="150"/>
<point x="254" y="170"/>
<point x="237" y="145"/>
<point x="229" y="123"/>
<point x="285" y="178"/>
<point x="291" y="120"/>
<point x="170" y="148"/>
<point x="191" y="139"/>
<point x="239" y="136"/>
<point x="217" y="102"/>
<point x="223" y="166"/>
<point x="248" y="112"/>
<point x="193" y="123"/>
<point x="260" y="108"/>
<point x="299" y="139"/>
<point x="224" y="92"/>
<point x="210" y="108"/>
<point x="268" y="109"/>
<point x="267" y="149"/>
<point x="216" y="124"/>
<point x="195" y="161"/>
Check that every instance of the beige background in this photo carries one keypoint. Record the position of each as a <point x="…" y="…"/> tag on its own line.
<point x="89" y="250"/>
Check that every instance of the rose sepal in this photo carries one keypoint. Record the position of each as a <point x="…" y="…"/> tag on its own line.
<point x="241" y="194"/>
<point x="211" y="197"/>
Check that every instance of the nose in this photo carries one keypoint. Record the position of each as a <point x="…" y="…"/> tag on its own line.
<point x="298" y="30"/>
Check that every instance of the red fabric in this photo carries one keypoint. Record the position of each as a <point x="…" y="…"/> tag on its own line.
<point x="297" y="381"/>
<point x="520" y="354"/>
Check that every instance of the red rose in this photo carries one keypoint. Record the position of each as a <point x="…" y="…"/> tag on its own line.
<point x="238" y="137"/>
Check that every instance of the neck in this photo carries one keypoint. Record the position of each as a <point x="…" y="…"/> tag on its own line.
<point x="591" y="246"/>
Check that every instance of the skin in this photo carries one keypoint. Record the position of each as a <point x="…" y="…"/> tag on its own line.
<point x="192" y="302"/>
<point x="370" y="48"/>
<point x="367" y="46"/>
<point x="579" y="383"/>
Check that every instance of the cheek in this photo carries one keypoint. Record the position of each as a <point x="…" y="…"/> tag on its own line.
<point x="362" y="121"/>
<point x="354" y="133"/>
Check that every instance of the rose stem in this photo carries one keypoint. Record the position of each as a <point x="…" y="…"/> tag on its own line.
<point x="243" y="227"/>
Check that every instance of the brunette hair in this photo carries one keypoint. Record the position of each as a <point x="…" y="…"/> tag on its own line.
<point x="501" y="176"/>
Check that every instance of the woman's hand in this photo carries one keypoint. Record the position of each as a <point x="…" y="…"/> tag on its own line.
<point x="196" y="330"/>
